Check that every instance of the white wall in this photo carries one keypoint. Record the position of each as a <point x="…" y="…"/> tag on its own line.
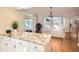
<point x="66" y="12"/>
<point x="7" y="15"/>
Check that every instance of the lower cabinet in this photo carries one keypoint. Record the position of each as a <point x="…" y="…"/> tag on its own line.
<point x="4" y="44"/>
<point x="8" y="44"/>
<point x="20" y="45"/>
<point x="31" y="47"/>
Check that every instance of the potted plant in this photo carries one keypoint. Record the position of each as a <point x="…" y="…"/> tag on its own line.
<point x="15" y="25"/>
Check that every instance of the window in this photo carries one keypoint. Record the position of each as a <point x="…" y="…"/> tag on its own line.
<point x="54" y="23"/>
<point x="47" y="23"/>
<point x="28" y="24"/>
<point x="57" y="23"/>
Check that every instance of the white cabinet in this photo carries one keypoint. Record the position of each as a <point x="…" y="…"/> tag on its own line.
<point x="4" y="44"/>
<point x="33" y="47"/>
<point x="15" y="45"/>
<point x="8" y="44"/>
<point x="0" y="42"/>
<point x="19" y="45"/>
<point x="11" y="45"/>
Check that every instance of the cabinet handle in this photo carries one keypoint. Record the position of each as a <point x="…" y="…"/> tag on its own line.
<point x="14" y="46"/>
<point x="6" y="44"/>
<point x="35" y="47"/>
<point x="9" y="39"/>
<point x="20" y="43"/>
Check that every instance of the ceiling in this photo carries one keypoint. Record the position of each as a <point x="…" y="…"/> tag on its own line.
<point x="57" y="11"/>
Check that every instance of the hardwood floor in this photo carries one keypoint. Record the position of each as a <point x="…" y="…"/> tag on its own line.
<point x="63" y="45"/>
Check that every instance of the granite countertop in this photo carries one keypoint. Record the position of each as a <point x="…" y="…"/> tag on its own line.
<point x="38" y="38"/>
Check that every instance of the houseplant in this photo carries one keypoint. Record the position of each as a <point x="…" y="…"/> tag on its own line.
<point x="15" y="25"/>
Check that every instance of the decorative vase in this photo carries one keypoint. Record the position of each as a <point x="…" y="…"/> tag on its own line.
<point x="15" y="30"/>
<point x="8" y="32"/>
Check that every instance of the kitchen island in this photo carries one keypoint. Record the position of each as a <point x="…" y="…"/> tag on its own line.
<point x="28" y="42"/>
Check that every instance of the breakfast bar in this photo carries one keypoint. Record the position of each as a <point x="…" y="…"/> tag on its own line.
<point x="29" y="42"/>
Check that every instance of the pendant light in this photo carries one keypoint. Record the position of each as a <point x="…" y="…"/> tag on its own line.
<point x="50" y="12"/>
<point x="51" y="17"/>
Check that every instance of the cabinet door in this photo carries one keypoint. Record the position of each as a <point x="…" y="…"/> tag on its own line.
<point x="32" y="47"/>
<point x="11" y="43"/>
<point x="15" y="45"/>
<point x="0" y="43"/>
<point x="4" y="44"/>
<point x="20" y="45"/>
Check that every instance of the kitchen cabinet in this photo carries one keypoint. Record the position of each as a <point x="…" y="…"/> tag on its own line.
<point x="8" y="44"/>
<point x="35" y="47"/>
